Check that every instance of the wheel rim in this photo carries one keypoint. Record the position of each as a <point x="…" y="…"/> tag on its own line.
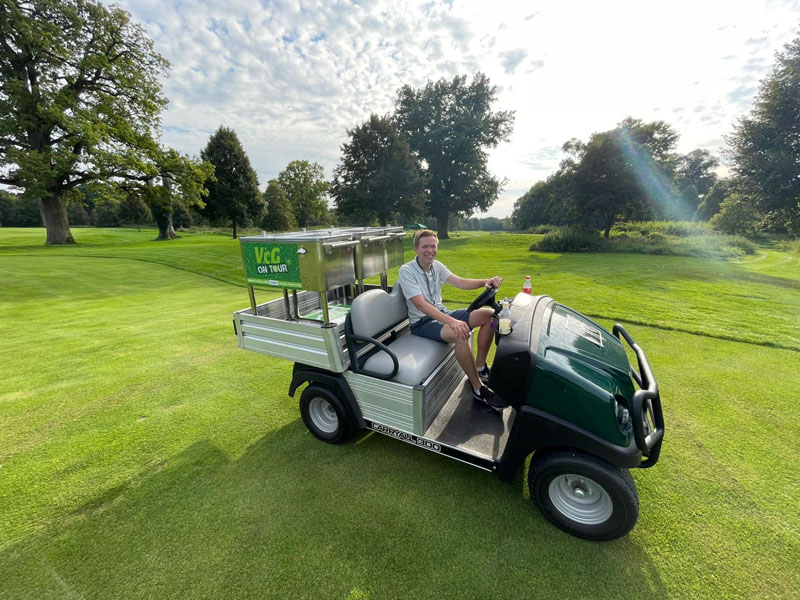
<point x="323" y="415"/>
<point x="580" y="499"/>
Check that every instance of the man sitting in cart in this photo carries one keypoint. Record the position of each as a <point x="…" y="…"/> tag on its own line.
<point x="421" y="280"/>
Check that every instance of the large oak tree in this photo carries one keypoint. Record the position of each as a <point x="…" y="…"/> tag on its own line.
<point x="378" y="177"/>
<point x="80" y="101"/>
<point x="450" y="125"/>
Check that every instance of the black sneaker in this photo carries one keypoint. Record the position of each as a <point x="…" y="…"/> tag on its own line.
<point x="489" y="398"/>
<point x="484" y="374"/>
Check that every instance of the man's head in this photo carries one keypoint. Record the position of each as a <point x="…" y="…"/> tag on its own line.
<point x="426" y="245"/>
<point x="423" y="233"/>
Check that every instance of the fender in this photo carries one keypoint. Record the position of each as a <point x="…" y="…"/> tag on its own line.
<point x="534" y="429"/>
<point x="334" y="382"/>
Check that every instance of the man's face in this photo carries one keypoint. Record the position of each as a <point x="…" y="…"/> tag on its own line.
<point x="426" y="249"/>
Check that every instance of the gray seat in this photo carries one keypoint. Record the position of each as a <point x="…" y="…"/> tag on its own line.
<point x="373" y="313"/>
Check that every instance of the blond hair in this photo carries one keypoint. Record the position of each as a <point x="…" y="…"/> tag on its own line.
<point x="424" y="233"/>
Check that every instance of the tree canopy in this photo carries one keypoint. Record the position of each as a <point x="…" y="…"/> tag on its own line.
<point x="765" y="145"/>
<point x="80" y="101"/>
<point x="305" y="187"/>
<point x="279" y="215"/>
<point x="450" y="125"/>
<point x="378" y="177"/>
<point x="233" y="194"/>
<point x="629" y="172"/>
<point x="696" y="169"/>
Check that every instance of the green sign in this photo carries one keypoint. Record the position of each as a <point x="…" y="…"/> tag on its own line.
<point x="271" y="264"/>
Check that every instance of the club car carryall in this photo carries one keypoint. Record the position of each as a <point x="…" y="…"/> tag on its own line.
<point x="577" y="406"/>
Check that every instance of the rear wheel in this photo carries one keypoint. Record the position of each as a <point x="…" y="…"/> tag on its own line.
<point x="325" y="415"/>
<point x="584" y="495"/>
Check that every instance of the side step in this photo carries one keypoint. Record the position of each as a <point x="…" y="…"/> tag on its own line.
<point x="463" y="430"/>
<point x="482" y="462"/>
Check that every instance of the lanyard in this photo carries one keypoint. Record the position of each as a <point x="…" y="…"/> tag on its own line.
<point x="428" y="281"/>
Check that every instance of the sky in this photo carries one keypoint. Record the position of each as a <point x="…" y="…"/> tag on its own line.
<point x="291" y="78"/>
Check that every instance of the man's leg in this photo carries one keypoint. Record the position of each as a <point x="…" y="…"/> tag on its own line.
<point x="479" y="318"/>
<point x="463" y="352"/>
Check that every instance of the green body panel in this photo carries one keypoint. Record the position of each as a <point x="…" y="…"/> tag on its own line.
<point x="580" y="367"/>
<point x="271" y="264"/>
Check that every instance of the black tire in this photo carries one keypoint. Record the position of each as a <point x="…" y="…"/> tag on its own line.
<point x="584" y="495"/>
<point x="325" y="415"/>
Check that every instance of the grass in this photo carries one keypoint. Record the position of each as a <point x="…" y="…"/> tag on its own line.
<point x="143" y="455"/>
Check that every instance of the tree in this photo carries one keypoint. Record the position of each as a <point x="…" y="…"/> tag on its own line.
<point x="450" y="125"/>
<point x="178" y="177"/>
<point x="279" y="215"/>
<point x="233" y="195"/>
<point x="604" y="181"/>
<point x="546" y="203"/>
<point x="80" y="101"/>
<point x="625" y="173"/>
<point x="378" y="176"/>
<point x="737" y="215"/>
<point x="305" y="186"/>
<point x="133" y="209"/>
<point x="711" y="202"/>
<point x="696" y="169"/>
<point x="765" y="146"/>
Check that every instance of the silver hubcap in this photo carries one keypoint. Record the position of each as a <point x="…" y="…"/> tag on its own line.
<point x="580" y="499"/>
<point x="323" y="415"/>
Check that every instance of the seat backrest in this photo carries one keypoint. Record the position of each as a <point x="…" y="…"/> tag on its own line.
<point x="375" y="311"/>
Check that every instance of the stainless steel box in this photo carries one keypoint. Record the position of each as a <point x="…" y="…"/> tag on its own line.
<point x="314" y="261"/>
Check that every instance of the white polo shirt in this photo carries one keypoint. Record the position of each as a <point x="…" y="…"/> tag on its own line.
<point x="415" y="281"/>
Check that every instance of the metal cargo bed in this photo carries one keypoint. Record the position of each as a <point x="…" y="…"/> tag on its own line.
<point x="302" y="337"/>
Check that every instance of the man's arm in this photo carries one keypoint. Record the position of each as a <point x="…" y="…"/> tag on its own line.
<point x="460" y="328"/>
<point x="473" y="284"/>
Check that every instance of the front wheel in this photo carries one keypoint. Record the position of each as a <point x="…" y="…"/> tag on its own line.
<point x="325" y="415"/>
<point x="584" y="495"/>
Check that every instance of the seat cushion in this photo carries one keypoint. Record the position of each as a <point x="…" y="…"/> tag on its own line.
<point x="417" y="357"/>
<point x="375" y="311"/>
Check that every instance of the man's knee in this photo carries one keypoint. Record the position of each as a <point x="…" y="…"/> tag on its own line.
<point x="480" y="317"/>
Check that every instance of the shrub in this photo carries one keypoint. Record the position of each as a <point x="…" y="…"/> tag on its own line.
<point x="569" y="239"/>
<point x="742" y="243"/>
<point x="671" y="228"/>
<point x="792" y="246"/>
<point x="737" y="216"/>
<point x="542" y="229"/>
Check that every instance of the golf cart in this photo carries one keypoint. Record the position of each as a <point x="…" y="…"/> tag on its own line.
<point x="577" y="406"/>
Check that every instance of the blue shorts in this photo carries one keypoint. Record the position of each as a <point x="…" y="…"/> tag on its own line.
<point x="431" y="328"/>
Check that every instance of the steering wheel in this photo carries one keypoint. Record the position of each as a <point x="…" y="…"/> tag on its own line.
<point x="485" y="298"/>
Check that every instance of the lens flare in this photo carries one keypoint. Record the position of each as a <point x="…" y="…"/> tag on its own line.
<point x="658" y="189"/>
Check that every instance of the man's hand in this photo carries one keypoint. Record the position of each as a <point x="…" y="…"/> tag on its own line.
<point x="493" y="282"/>
<point x="460" y="328"/>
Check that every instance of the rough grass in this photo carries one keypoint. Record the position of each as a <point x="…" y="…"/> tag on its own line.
<point x="143" y="455"/>
<point x="676" y="238"/>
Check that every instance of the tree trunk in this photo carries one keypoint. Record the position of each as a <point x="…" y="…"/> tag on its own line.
<point x="165" y="229"/>
<point x="441" y="225"/>
<point x="163" y="214"/>
<point x="608" y="226"/>
<point x="234" y="229"/>
<point x="54" y="216"/>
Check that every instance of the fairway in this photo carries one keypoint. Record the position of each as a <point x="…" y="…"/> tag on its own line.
<point x="142" y="455"/>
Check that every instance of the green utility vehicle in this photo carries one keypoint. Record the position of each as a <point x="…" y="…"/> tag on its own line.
<point x="577" y="406"/>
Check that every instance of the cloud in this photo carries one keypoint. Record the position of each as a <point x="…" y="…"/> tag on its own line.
<point x="292" y="77"/>
<point x="512" y="58"/>
<point x="742" y="95"/>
